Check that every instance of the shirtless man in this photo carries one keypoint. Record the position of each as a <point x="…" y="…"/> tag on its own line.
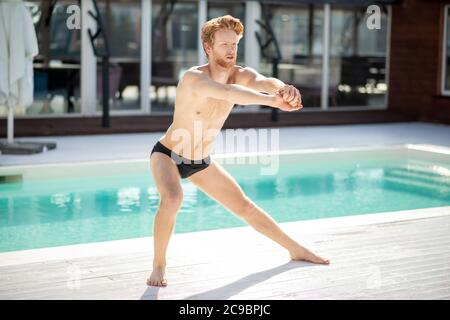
<point x="206" y="94"/>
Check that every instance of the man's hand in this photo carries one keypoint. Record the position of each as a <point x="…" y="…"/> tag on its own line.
<point x="278" y="102"/>
<point x="291" y="95"/>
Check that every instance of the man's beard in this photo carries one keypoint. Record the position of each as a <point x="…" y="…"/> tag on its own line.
<point x="225" y="63"/>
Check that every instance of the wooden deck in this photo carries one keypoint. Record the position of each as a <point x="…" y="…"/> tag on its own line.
<point x="379" y="259"/>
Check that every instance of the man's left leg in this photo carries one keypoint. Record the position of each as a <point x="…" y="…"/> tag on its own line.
<point x="222" y="187"/>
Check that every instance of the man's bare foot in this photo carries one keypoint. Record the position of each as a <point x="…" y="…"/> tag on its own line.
<point x="157" y="278"/>
<point x="302" y="254"/>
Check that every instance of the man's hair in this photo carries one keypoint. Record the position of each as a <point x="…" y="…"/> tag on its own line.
<point x="224" y="22"/>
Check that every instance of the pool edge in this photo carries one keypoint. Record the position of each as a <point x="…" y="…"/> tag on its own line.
<point x="406" y="146"/>
<point x="145" y="244"/>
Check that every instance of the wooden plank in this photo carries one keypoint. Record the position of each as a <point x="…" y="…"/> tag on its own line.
<point x="201" y="286"/>
<point x="411" y="255"/>
<point x="120" y="265"/>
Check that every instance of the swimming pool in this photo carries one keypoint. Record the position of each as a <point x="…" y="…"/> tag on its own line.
<point x="63" y="204"/>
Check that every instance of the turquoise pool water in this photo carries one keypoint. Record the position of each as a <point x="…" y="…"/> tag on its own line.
<point x="56" y="212"/>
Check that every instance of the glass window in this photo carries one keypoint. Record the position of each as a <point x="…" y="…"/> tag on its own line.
<point x="446" y="54"/>
<point x="174" y="49"/>
<point x="357" y="58"/>
<point x="298" y="30"/>
<point x="57" y="66"/>
<point x="122" y="19"/>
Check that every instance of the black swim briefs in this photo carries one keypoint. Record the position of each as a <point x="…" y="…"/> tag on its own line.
<point x="186" y="167"/>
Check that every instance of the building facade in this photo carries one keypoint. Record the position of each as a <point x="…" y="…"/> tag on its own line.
<point x="353" y="61"/>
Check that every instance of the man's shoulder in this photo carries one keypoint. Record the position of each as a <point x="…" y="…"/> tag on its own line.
<point x="244" y="74"/>
<point x="201" y="69"/>
<point x="192" y="74"/>
<point x="246" y="70"/>
<point x="198" y="72"/>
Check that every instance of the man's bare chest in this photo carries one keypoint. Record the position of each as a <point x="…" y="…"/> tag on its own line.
<point x="213" y="109"/>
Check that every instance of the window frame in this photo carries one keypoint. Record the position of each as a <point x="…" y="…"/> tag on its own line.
<point x="444" y="92"/>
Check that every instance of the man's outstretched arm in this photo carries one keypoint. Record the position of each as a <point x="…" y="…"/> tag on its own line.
<point x="254" y="80"/>
<point x="202" y="85"/>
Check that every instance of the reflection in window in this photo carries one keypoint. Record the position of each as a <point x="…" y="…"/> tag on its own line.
<point x="122" y="21"/>
<point x="357" y="58"/>
<point x="174" y="49"/>
<point x="57" y="66"/>
<point x="298" y="30"/>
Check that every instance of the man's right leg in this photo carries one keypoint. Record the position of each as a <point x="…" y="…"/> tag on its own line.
<point x="167" y="180"/>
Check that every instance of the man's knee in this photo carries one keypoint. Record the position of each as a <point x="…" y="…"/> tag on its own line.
<point x="247" y="208"/>
<point x="171" y="199"/>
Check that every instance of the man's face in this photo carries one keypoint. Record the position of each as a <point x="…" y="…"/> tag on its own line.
<point x="224" y="48"/>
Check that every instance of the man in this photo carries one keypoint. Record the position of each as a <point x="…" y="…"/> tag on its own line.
<point x="205" y="95"/>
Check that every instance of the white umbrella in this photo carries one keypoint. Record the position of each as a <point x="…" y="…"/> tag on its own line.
<point x="18" y="47"/>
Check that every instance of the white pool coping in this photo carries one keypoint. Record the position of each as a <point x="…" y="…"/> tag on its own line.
<point x="138" y="145"/>
<point x="437" y="149"/>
